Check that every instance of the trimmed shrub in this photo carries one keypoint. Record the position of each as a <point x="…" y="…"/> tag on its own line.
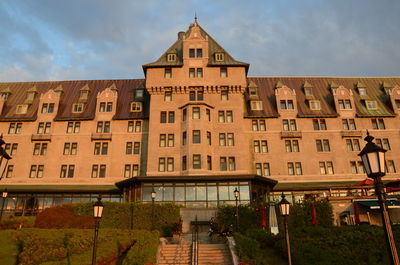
<point x="62" y="217"/>
<point x="16" y="222"/>
<point x="248" y="218"/>
<point x="74" y="246"/>
<point x="301" y="214"/>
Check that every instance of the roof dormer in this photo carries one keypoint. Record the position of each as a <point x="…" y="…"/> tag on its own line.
<point x="5" y="93"/>
<point x="394" y="94"/>
<point x="84" y="93"/>
<point x="344" y="101"/>
<point x="308" y="90"/>
<point x="30" y="95"/>
<point x="361" y="89"/>
<point x="48" y="104"/>
<point x="286" y="101"/>
<point x="107" y="101"/>
<point x="253" y="90"/>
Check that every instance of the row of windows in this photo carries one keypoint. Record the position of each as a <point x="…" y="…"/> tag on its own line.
<point x="169" y="116"/>
<point x="196" y="95"/>
<point x="196" y="72"/>
<point x="226" y="164"/>
<point x="74" y="127"/>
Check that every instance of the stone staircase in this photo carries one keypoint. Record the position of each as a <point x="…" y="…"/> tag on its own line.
<point x="214" y="254"/>
<point x="175" y="254"/>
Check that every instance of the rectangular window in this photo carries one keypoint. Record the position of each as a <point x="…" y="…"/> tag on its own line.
<point x="171" y="116"/>
<point x="223" y="164"/>
<point x="163" y="117"/>
<point x="102" y="107"/>
<point x="128" y="148"/>
<point x="287" y="104"/>
<point x="208" y="114"/>
<point x="192" y="72"/>
<point x="223" y="72"/>
<point x="196" y="161"/>
<point x="184" y="138"/>
<point x="100" y="148"/>
<point x="289" y="125"/>
<point x="199" y="53"/>
<point x="44" y="127"/>
<point x="40" y="149"/>
<point x="138" y="126"/>
<point x="371" y="104"/>
<point x="294" y="168"/>
<point x="229" y="116"/>
<point x="11" y="149"/>
<point x="257" y="147"/>
<point x="199" y="72"/>
<point x="15" y="128"/>
<point x="67" y="171"/>
<point x="184" y="114"/>
<point x="383" y="143"/>
<point x="73" y="127"/>
<point x="224" y="95"/>
<point x="102" y="171"/>
<point x="109" y="107"/>
<point x="209" y="138"/>
<point x="171" y="140"/>
<point x="36" y="171"/>
<point x="353" y="145"/>
<point x="209" y="163"/>
<point x="326" y="168"/>
<point x="170" y="164"/>
<point x="168" y="96"/>
<point x="349" y="124"/>
<point x="344" y="104"/>
<point x="95" y="171"/>
<point x="192" y="95"/>
<point x="390" y="168"/>
<point x="191" y="53"/>
<point x="230" y="139"/>
<point x="232" y="165"/>
<point x="127" y="171"/>
<point x="10" y="170"/>
<point x="136" y="148"/>
<point x="259" y="169"/>
<point x="184" y="163"/>
<point x="196" y="137"/>
<point x="266" y="170"/>
<point x="168" y="73"/>
<point x="161" y="164"/>
<point x="378" y="124"/>
<point x="323" y="145"/>
<point x="292" y="146"/>
<point x="222" y="139"/>
<point x="319" y="124"/>
<point x="163" y="140"/>
<point x="196" y="113"/>
<point x="136" y="106"/>
<point x="221" y="116"/>
<point x="103" y="127"/>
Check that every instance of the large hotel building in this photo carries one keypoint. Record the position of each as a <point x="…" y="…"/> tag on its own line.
<point x="194" y="129"/>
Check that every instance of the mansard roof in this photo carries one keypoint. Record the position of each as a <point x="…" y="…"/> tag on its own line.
<point x="177" y="48"/>
<point x="70" y="95"/>
<point x="322" y="92"/>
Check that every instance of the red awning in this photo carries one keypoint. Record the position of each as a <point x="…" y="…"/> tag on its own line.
<point x="365" y="182"/>
<point x="393" y="186"/>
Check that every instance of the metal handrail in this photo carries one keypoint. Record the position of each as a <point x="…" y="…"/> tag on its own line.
<point x="195" y="243"/>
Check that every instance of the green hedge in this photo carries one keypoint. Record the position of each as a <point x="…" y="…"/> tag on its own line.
<point x="300" y="213"/>
<point x="74" y="246"/>
<point x="249" y="217"/>
<point x="346" y="245"/>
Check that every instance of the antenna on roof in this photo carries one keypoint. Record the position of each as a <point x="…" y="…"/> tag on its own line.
<point x="195" y="18"/>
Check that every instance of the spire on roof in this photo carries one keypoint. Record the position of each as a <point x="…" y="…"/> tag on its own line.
<point x="195" y="18"/>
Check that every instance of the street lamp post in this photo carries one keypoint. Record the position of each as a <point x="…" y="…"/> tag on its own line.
<point x="97" y="213"/>
<point x="153" y="197"/>
<point x="284" y="207"/>
<point x="4" y="196"/>
<point x="236" y="193"/>
<point x="373" y="158"/>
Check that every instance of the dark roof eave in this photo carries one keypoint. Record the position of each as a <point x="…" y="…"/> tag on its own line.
<point x="138" y="179"/>
<point x="318" y="115"/>
<point x="374" y="115"/>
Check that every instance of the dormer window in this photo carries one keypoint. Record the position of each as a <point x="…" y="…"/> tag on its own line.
<point x="252" y="91"/>
<point x="84" y="94"/>
<point x="308" y="91"/>
<point x="48" y="108"/>
<point x="21" y="109"/>
<point x="136" y="106"/>
<point x="371" y="104"/>
<point x="362" y="91"/>
<point x="171" y="57"/>
<point x="219" y="57"/>
<point x="191" y="53"/>
<point x="139" y="93"/>
<point x="196" y="53"/>
<point x="77" y="107"/>
<point x="105" y="107"/>
<point x="30" y="96"/>
<point x="315" y="105"/>
<point x="344" y="104"/>
<point x="287" y="104"/>
<point x="256" y="105"/>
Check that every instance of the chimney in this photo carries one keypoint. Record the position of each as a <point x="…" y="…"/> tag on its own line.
<point x="180" y="35"/>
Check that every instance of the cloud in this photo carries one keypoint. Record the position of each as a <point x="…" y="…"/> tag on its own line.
<point x="99" y="39"/>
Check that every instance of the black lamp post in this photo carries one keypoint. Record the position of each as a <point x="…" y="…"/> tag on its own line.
<point x="373" y="158"/>
<point x="236" y="193"/>
<point x="97" y="213"/>
<point x="4" y="196"/>
<point x="284" y="207"/>
<point x="153" y="197"/>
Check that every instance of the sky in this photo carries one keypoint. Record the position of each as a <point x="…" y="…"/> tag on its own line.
<point x="43" y="40"/>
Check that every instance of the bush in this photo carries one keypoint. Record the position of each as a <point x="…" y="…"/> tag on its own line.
<point x="135" y="215"/>
<point x="248" y="218"/>
<point x="74" y="246"/>
<point x="15" y="222"/>
<point x="301" y="214"/>
<point x="62" y="217"/>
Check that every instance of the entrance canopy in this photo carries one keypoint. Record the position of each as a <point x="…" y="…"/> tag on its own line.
<point x="374" y="204"/>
